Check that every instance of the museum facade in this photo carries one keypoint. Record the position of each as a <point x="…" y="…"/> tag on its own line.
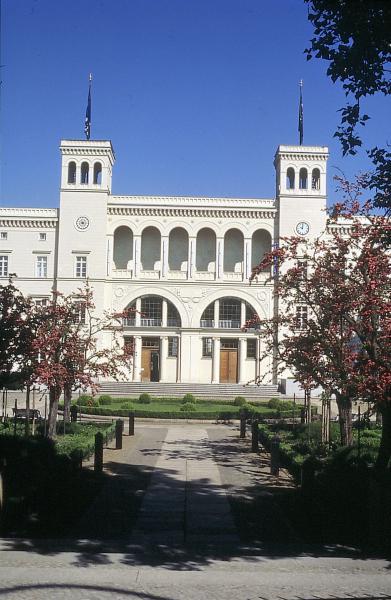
<point x="183" y="263"/>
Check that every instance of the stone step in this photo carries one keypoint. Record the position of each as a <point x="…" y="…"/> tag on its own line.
<point x="218" y="390"/>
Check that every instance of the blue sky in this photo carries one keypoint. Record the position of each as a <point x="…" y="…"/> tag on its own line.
<point x="195" y="94"/>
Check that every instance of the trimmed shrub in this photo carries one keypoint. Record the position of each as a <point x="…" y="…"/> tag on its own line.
<point x="126" y="406"/>
<point x="144" y="398"/>
<point x="105" y="400"/>
<point x="274" y="403"/>
<point x="188" y="399"/>
<point x="240" y="401"/>
<point x="84" y="400"/>
<point x="188" y="406"/>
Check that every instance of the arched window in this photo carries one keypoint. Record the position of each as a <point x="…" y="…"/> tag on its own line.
<point x="152" y="313"/>
<point x="303" y="176"/>
<point x="150" y="249"/>
<point x="123" y="247"/>
<point x="85" y="167"/>
<point x="72" y="172"/>
<point x="261" y="245"/>
<point x="233" y="251"/>
<point x="206" y="250"/>
<point x="315" y="184"/>
<point x="178" y="249"/>
<point x="97" y="173"/>
<point x="229" y="314"/>
<point x="290" y="179"/>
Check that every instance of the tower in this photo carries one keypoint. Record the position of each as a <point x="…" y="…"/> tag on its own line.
<point x="301" y="190"/>
<point x="86" y="172"/>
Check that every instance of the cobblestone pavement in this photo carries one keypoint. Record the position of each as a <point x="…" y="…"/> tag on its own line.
<point x="162" y="529"/>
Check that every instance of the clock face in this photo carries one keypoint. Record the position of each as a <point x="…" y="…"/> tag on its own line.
<point x="302" y="228"/>
<point x="82" y="223"/>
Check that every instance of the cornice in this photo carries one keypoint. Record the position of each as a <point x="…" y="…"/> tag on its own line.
<point x="32" y="218"/>
<point x="193" y="201"/>
<point x="234" y="213"/>
<point x="302" y="156"/>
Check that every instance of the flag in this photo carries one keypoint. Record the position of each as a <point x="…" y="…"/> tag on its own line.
<point x="301" y="117"/>
<point x="87" y="122"/>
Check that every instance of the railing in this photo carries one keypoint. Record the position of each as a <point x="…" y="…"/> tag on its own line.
<point x="204" y="275"/>
<point x="177" y="275"/>
<point x="149" y="274"/>
<point x="150" y="322"/>
<point x="207" y="323"/>
<point x="233" y="276"/>
<point x="229" y="324"/>
<point x="122" y="274"/>
<point x="173" y="322"/>
<point x="129" y="321"/>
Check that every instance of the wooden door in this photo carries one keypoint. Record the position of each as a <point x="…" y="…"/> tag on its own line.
<point x="146" y="364"/>
<point x="229" y="366"/>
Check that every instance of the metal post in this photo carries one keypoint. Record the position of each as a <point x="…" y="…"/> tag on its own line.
<point x="98" y="456"/>
<point x="119" y="427"/>
<point x="359" y="432"/>
<point x="275" y="456"/>
<point x="16" y="410"/>
<point x="33" y="426"/>
<point x="46" y="414"/>
<point x="242" y="424"/>
<point x="131" y="424"/>
<point x="254" y="436"/>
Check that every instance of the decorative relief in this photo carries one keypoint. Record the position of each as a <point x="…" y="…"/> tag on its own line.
<point x="119" y="292"/>
<point x="212" y="213"/>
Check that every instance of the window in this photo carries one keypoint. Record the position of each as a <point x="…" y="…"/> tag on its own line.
<point x="97" y="173"/>
<point x="72" y="172"/>
<point x="128" y="344"/>
<point x="302" y="265"/>
<point x="251" y="348"/>
<point x="172" y="346"/>
<point x="315" y="184"/>
<point x="173" y="319"/>
<point x="229" y="313"/>
<point x="151" y="311"/>
<point x="303" y="179"/>
<point x="3" y="235"/>
<point x="81" y="266"/>
<point x="207" y="318"/>
<point x="207" y="344"/>
<point x="290" y="179"/>
<point x="301" y="317"/>
<point x="40" y="301"/>
<point x="42" y="237"/>
<point x="3" y="266"/>
<point x="42" y="266"/>
<point x="79" y="315"/>
<point x="85" y="167"/>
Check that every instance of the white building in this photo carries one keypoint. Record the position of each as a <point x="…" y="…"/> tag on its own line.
<point x="182" y="262"/>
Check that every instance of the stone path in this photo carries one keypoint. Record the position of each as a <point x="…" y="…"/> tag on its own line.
<point x="185" y="501"/>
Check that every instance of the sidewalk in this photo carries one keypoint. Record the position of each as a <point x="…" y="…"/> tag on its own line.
<point x="187" y="484"/>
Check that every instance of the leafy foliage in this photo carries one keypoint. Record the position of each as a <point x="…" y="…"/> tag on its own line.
<point x="188" y="399"/>
<point x="144" y="398"/>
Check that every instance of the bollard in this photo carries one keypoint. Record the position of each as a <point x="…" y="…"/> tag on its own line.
<point x="131" y="424"/>
<point x="254" y="436"/>
<point x="119" y="428"/>
<point x="242" y="424"/>
<point x="98" y="457"/>
<point x="302" y="415"/>
<point x="275" y="456"/>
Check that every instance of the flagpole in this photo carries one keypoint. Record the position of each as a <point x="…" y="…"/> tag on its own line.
<point x="301" y="114"/>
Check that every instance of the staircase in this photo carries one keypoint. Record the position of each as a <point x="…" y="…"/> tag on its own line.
<point x="217" y="391"/>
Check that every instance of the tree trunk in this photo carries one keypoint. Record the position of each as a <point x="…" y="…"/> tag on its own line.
<point x="27" y="422"/>
<point x="384" y="456"/>
<point x="54" y="395"/>
<point x="344" y="404"/>
<point x="67" y="403"/>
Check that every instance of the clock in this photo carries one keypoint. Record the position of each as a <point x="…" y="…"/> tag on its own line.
<point x="82" y="223"/>
<point x="302" y="228"/>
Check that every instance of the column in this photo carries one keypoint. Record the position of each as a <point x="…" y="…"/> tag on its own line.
<point x="164" y="255"/>
<point x="216" y="316"/>
<point x="258" y="359"/>
<point x="136" y="255"/>
<point x="242" y="360"/>
<point x="163" y="357"/>
<point x="247" y="257"/>
<point x="191" y="258"/>
<point x="216" y="361"/>
<point x="164" y="313"/>
<point x="137" y="316"/>
<point x="242" y="313"/>
<point x="137" y="358"/>
<point x="219" y="258"/>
